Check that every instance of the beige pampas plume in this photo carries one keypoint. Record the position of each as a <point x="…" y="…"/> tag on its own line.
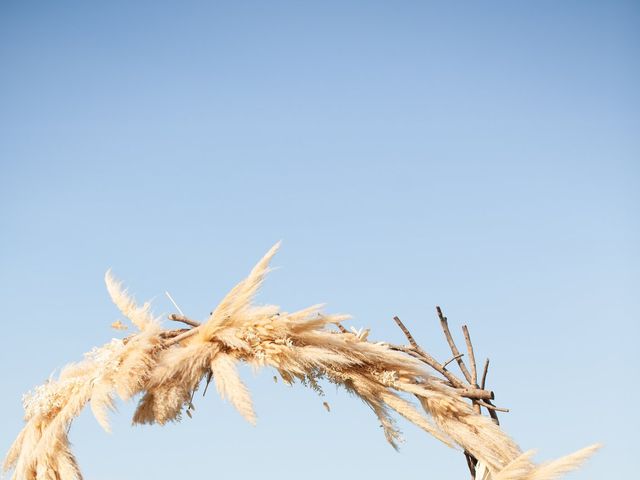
<point x="167" y="367"/>
<point x="522" y="468"/>
<point x="557" y="468"/>
<point x="239" y="297"/>
<point x="102" y="402"/>
<point x="42" y="449"/>
<point x="229" y="385"/>
<point x="139" y="316"/>
<point x="518" y="468"/>
<point x="171" y="385"/>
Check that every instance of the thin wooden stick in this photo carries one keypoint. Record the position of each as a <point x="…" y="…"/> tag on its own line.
<point x="341" y="328"/>
<point x="170" y="333"/>
<point x="461" y="388"/>
<point x="432" y="362"/>
<point x="490" y="406"/>
<point x="209" y="377"/>
<point x="476" y="393"/>
<point x="182" y="336"/>
<point x="494" y="416"/>
<point x="472" y="357"/>
<point x="407" y="333"/>
<point x="425" y="357"/>
<point x="444" y="365"/>
<point x="471" y="463"/>
<point x="452" y="345"/>
<point x="492" y="412"/>
<point x="484" y="373"/>
<point x="183" y="319"/>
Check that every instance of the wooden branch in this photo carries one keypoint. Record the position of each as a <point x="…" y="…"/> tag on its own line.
<point x="494" y="416"/>
<point x="484" y="373"/>
<point x="209" y="377"/>
<point x="173" y="337"/>
<point x="341" y="328"/>
<point x="182" y="336"/>
<point x="444" y="365"/>
<point x="407" y="333"/>
<point x="183" y="319"/>
<point x="424" y="357"/>
<point x="476" y="393"/>
<point x="471" y="463"/>
<point x="492" y="413"/>
<point x="172" y="333"/>
<point x="452" y="345"/>
<point x="490" y="406"/>
<point x="464" y="391"/>
<point x="472" y="357"/>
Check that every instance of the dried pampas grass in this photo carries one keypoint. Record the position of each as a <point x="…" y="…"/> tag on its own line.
<point x="167" y="366"/>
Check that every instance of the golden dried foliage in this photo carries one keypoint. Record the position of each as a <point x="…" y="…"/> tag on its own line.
<point x="167" y="367"/>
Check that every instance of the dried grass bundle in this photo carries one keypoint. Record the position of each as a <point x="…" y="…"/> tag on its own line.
<point x="167" y="366"/>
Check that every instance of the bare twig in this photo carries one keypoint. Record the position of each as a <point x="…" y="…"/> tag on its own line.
<point x="171" y="333"/>
<point x="477" y="394"/>
<point x="176" y="336"/>
<point x="182" y="336"/>
<point x="490" y="406"/>
<point x="432" y="362"/>
<point x="471" y="463"/>
<point x="493" y="414"/>
<point x="452" y="345"/>
<point x="407" y="333"/>
<point x="472" y="357"/>
<point x="183" y="319"/>
<point x="460" y="355"/>
<point x="341" y="328"/>
<point x="484" y="373"/>
<point x="206" y="386"/>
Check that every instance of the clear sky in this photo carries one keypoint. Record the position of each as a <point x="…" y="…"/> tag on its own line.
<point x="483" y="156"/>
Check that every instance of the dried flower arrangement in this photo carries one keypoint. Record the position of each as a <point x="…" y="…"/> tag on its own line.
<point x="167" y="366"/>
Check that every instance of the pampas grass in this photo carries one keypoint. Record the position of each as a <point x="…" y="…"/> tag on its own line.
<point x="167" y="366"/>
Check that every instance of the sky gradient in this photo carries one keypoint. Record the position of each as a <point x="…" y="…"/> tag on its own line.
<point x="484" y="157"/>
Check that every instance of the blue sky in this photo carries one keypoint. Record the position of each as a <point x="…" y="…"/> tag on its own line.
<point x="479" y="156"/>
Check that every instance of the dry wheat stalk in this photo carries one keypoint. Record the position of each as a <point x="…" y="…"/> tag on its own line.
<point x="167" y="366"/>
